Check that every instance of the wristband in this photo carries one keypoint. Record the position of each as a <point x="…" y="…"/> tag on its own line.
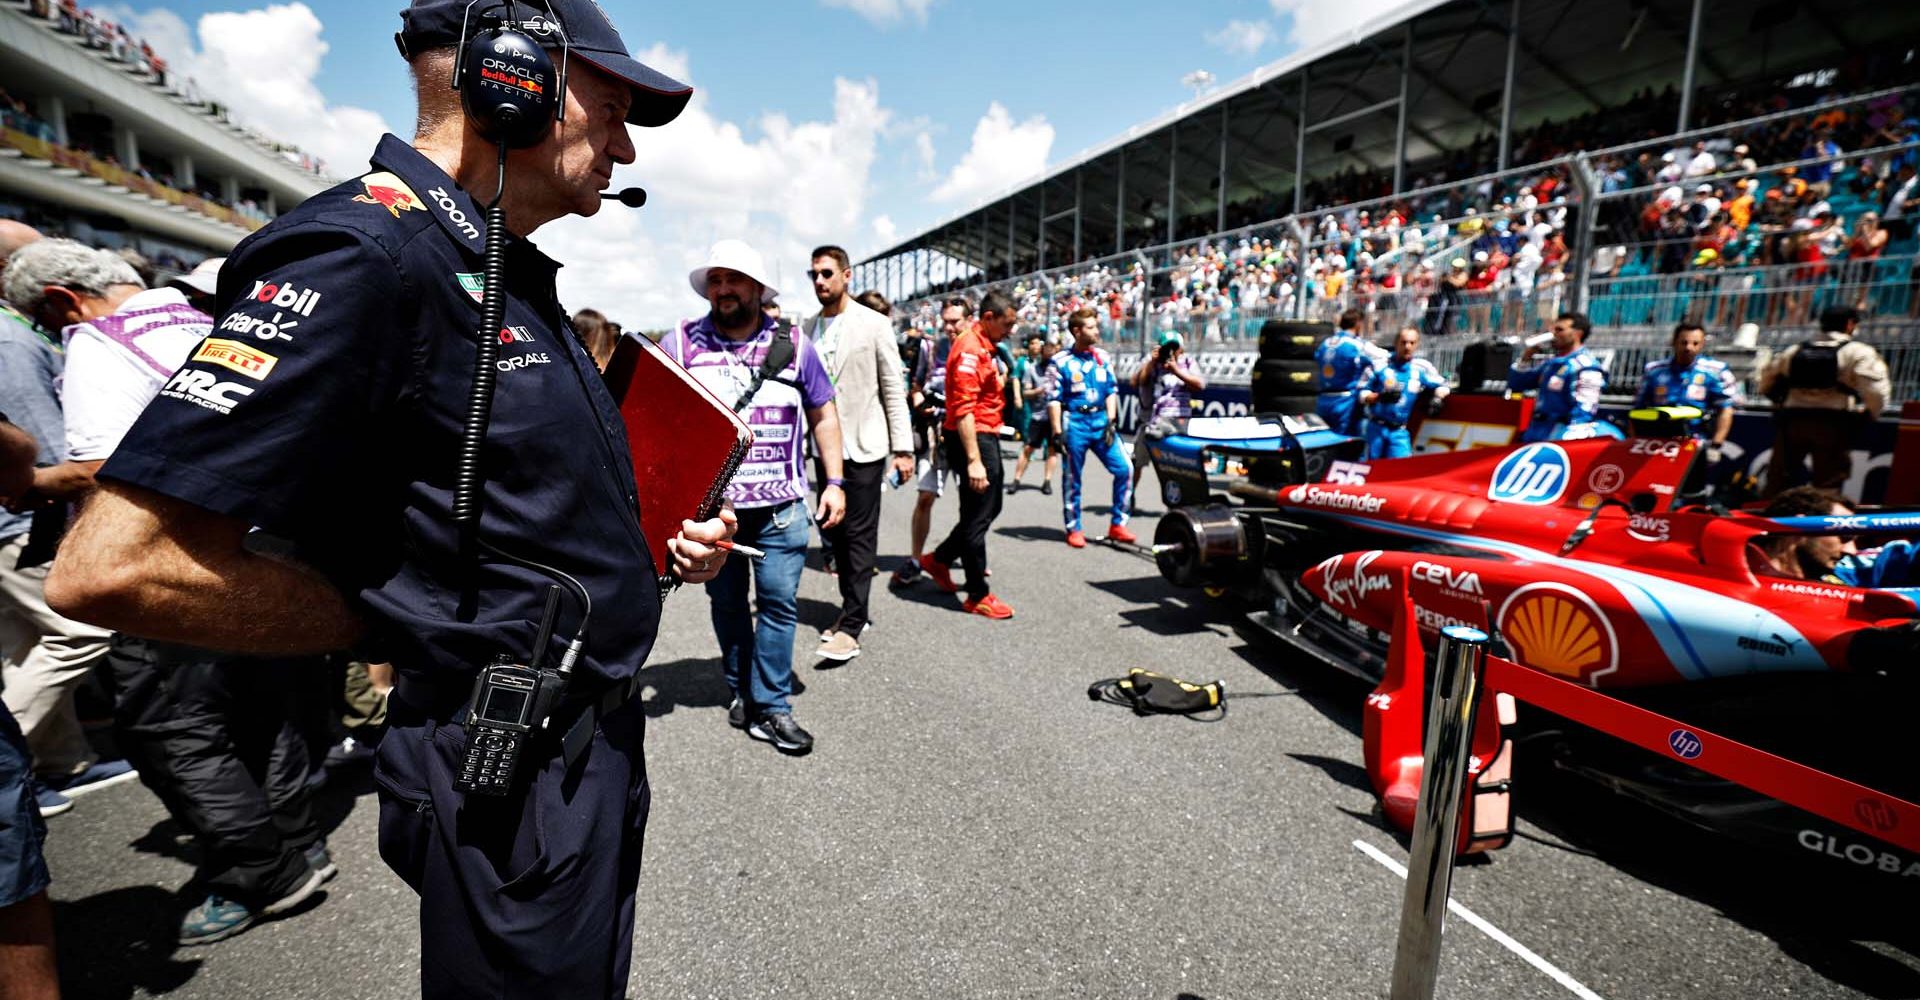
<point x="836" y="481"/>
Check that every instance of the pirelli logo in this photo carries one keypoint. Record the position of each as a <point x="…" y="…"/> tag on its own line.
<point x="239" y="357"/>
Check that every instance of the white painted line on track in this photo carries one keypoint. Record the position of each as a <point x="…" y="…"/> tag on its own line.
<point x="1499" y="936"/>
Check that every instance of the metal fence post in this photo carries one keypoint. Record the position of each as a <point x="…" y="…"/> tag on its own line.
<point x="1436" y="822"/>
<point x="1587" y="183"/>
<point x="1299" y="267"/>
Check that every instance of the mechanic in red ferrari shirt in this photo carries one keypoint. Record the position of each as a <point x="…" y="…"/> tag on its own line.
<point x="976" y="398"/>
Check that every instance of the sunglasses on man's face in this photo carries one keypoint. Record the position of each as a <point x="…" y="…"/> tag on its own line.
<point x="822" y="275"/>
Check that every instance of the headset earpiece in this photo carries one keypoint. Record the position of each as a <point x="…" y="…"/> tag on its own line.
<point x="509" y="87"/>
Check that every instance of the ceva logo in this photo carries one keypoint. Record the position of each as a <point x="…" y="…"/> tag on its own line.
<point x="1536" y="475"/>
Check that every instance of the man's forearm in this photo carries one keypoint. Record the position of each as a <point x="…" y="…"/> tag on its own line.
<point x="969" y="442"/>
<point x="65" y="481"/>
<point x="1722" y="426"/>
<point x="148" y="565"/>
<point x="826" y="435"/>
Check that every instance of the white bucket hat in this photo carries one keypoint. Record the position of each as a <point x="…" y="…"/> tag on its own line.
<point x="204" y="278"/>
<point x="734" y="255"/>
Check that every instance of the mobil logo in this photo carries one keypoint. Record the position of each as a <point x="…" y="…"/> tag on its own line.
<point x="1536" y="474"/>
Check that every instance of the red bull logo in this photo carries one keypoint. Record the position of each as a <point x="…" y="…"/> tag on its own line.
<point x="389" y="192"/>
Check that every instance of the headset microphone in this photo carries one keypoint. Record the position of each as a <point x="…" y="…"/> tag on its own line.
<point x="631" y="197"/>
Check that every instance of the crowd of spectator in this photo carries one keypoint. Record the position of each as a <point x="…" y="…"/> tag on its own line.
<point x="111" y="40"/>
<point x="1495" y="254"/>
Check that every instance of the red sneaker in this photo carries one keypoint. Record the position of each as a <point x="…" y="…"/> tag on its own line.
<point x="1119" y="533"/>
<point x="988" y="607"/>
<point x="1076" y="539"/>
<point x="939" y="573"/>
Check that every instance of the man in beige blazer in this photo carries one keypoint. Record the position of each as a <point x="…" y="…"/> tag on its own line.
<point x="858" y="348"/>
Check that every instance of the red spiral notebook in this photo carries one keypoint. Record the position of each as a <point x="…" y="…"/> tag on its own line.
<point x="686" y="443"/>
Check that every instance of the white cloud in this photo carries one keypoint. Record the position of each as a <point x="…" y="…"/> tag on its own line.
<point x="784" y="186"/>
<point x="1241" y="38"/>
<point x="1316" y="21"/>
<point x="923" y="149"/>
<point x="261" y="64"/>
<point x="1002" y="152"/>
<point x="885" y="13"/>
<point x="884" y="228"/>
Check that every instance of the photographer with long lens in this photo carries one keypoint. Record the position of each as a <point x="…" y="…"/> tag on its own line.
<point x="335" y="407"/>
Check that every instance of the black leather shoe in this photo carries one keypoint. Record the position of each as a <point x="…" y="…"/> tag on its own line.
<point x="737" y="714"/>
<point x="779" y="729"/>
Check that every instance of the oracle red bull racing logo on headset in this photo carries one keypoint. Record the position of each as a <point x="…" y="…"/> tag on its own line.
<point x="389" y="192"/>
<point x="1536" y="475"/>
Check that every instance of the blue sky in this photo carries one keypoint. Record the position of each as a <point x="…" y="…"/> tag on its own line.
<point x="818" y="120"/>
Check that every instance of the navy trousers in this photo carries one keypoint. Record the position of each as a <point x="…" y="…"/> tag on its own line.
<point x="525" y="895"/>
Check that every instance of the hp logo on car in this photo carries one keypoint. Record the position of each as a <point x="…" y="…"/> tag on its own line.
<point x="1535" y="475"/>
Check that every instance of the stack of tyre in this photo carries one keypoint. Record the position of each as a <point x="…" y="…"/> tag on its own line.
<point x="1286" y="378"/>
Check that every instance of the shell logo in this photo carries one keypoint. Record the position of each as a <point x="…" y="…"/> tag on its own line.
<point x="1559" y="630"/>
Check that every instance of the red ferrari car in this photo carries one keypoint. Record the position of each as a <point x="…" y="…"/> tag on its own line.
<point x="1590" y="564"/>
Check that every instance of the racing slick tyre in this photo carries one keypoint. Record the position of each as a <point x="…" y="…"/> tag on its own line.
<point x="1275" y="380"/>
<point x="1281" y="340"/>
<point x="1288" y="406"/>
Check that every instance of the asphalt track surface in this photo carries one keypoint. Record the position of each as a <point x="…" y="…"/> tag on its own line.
<point x="970" y="825"/>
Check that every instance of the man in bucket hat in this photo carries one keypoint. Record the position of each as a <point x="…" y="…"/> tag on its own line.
<point x="327" y="409"/>
<point x="747" y="357"/>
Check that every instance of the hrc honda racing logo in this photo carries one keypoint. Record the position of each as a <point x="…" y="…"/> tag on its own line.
<point x="205" y="389"/>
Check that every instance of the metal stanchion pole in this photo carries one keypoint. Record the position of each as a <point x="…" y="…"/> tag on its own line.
<point x="1436" y="822"/>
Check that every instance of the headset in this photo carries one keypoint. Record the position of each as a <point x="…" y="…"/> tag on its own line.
<point x="507" y="82"/>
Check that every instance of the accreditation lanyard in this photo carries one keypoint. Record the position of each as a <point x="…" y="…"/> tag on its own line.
<point x="829" y="345"/>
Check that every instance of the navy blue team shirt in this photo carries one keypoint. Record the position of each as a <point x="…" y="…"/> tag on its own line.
<point x="326" y="408"/>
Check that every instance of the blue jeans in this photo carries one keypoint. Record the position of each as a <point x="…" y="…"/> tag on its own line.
<point x="757" y="657"/>
<point x="1084" y="433"/>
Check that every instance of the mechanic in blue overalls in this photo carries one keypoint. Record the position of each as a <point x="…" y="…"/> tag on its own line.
<point x="1566" y="405"/>
<point x="1083" y="403"/>
<point x="1392" y="389"/>
<point x="1690" y="378"/>
<point x="1344" y="359"/>
<point x="342" y="440"/>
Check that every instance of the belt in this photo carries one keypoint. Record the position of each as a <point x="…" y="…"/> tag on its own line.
<point x="1086" y="408"/>
<point x="580" y="734"/>
<point x="1389" y="426"/>
<point x="447" y="703"/>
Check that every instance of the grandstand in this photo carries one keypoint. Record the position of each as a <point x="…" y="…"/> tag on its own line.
<point x="101" y="140"/>
<point x="1476" y="166"/>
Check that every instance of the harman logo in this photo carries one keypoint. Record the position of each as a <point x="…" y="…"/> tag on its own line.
<point x="1535" y="475"/>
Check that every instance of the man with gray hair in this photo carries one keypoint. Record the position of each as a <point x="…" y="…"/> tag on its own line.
<point x="212" y="733"/>
<point x="38" y="683"/>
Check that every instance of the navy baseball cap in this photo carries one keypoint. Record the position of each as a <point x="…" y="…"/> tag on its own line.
<point x="591" y="37"/>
